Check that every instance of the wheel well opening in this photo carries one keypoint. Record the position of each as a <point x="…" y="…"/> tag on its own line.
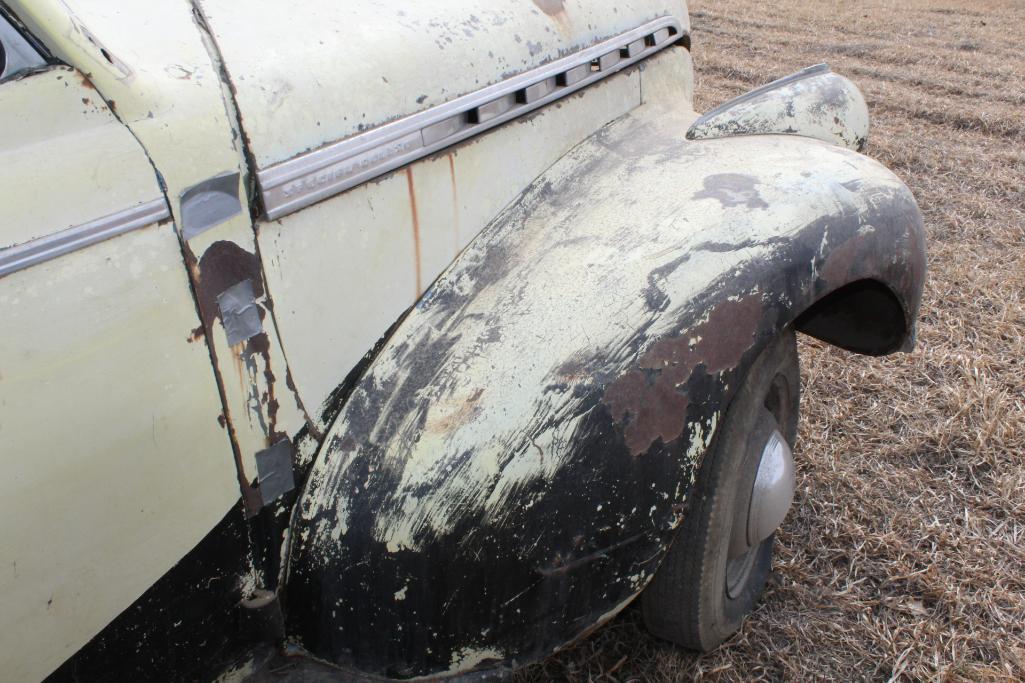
<point x="863" y="317"/>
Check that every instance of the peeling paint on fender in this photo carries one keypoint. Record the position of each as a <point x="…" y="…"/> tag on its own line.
<point x="650" y="401"/>
<point x="518" y="453"/>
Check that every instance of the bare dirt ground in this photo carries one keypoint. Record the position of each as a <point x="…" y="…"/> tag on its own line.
<point x="903" y="557"/>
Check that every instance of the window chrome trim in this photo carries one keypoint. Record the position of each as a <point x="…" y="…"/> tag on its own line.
<point x="50" y="247"/>
<point x="310" y="177"/>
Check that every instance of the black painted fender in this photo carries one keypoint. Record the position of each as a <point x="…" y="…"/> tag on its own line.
<point x="507" y="473"/>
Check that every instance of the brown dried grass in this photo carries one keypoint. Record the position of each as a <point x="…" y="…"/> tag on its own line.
<point x="903" y="557"/>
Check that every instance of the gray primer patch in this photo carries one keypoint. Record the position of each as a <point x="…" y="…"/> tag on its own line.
<point x="732" y="189"/>
<point x="209" y="203"/>
<point x="239" y="312"/>
<point x="274" y="469"/>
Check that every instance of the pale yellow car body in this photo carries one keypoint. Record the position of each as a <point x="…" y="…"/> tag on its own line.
<point x="139" y="466"/>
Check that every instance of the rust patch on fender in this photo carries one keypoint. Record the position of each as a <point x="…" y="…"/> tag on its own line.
<point x="651" y="399"/>
<point x="841" y="262"/>
<point x="460" y="415"/>
<point x="84" y="80"/>
<point x="732" y="189"/>
<point x="656" y="410"/>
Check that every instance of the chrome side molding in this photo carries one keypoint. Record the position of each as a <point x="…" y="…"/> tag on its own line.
<point x="66" y="241"/>
<point x="310" y="177"/>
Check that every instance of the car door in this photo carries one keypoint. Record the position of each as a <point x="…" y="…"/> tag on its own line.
<point x="114" y="463"/>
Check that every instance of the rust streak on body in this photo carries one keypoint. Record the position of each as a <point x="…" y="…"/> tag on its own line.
<point x="222" y="265"/>
<point x="416" y="230"/>
<point x="455" y="202"/>
<point x="556" y="9"/>
<point x="260" y="345"/>
<point x="240" y="367"/>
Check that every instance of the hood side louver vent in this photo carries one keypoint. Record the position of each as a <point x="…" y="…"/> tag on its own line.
<point x="334" y="168"/>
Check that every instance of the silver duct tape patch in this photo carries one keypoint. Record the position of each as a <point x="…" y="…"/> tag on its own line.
<point x="274" y="470"/>
<point x="210" y="203"/>
<point x="240" y="314"/>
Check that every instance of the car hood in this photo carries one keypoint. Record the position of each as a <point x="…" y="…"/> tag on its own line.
<point x="305" y="79"/>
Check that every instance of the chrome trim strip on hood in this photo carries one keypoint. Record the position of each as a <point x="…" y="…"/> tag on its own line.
<point x="66" y="241"/>
<point x="312" y="176"/>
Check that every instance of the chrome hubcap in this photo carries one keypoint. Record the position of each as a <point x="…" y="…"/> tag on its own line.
<point x="773" y="490"/>
<point x="763" y="510"/>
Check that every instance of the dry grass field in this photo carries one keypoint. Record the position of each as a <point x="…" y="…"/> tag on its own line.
<point x="904" y="555"/>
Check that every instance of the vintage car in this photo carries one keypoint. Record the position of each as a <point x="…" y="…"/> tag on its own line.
<point x="413" y="339"/>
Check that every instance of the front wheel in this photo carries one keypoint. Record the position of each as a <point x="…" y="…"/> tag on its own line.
<point x="719" y="561"/>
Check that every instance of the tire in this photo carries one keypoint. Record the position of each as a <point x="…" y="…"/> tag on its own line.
<point x="699" y="597"/>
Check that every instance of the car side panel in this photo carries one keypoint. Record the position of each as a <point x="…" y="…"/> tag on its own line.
<point x="342" y="271"/>
<point x="34" y="159"/>
<point x="112" y="456"/>
<point x="160" y="72"/>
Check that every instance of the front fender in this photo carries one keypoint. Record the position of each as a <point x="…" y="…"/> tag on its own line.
<point x="507" y="473"/>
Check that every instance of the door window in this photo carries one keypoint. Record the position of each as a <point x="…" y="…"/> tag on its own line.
<point x="16" y="53"/>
